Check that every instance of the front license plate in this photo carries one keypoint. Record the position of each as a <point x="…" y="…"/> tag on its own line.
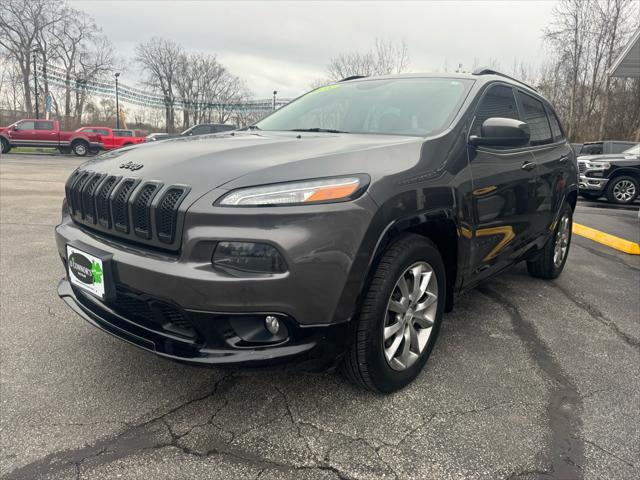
<point x="86" y="271"/>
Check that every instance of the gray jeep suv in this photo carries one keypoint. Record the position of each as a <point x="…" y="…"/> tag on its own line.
<point x="335" y="232"/>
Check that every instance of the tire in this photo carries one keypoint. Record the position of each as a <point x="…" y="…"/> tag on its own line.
<point x="367" y="363"/>
<point x="80" y="148"/>
<point x="623" y="190"/>
<point x="546" y="265"/>
<point x="4" y="145"/>
<point x="591" y="196"/>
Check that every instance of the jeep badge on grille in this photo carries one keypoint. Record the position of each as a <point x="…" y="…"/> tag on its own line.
<point x="132" y="166"/>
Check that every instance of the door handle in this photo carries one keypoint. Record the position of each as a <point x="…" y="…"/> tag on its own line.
<point x="528" y="166"/>
<point x="564" y="158"/>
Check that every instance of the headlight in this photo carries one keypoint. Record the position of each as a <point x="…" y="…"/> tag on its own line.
<point x="294" y="193"/>
<point x="598" y="165"/>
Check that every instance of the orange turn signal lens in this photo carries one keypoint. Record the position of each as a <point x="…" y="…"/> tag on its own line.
<point x="332" y="193"/>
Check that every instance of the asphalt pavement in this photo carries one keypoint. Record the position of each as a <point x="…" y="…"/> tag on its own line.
<point x="529" y="379"/>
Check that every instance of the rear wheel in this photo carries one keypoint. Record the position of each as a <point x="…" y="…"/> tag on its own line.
<point x="400" y="317"/>
<point x="623" y="189"/>
<point x="80" y="148"/>
<point x="4" y="145"/>
<point x="550" y="262"/>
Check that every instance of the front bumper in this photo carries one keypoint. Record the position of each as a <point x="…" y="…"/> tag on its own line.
<point x="313" y="348"/>
<point x="591" y="184"/>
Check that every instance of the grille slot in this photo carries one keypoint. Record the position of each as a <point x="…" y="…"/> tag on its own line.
<point x="88" y="197"/>
<point x="141" y="210"/>
<point x="167" y="213"/>
<point x="120" y="205"/>
<point x="68" y="188"/>
<point x="102" y="201"/>
<point x="76" y="193"/>
<point x="582" y="167"/>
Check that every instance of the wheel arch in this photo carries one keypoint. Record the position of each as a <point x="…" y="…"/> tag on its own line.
<point x="441" y="228"/>
<point x="625" y="171"/>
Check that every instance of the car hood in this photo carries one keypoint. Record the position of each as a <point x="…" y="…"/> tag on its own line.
<point x="607" y="157"/>
<point x="252" y="158"/>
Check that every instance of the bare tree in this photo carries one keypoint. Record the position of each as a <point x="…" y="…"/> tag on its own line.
<point x="20" y="24"/>
<point x="384" y="58"/>
<point x="583" y="41"/>
<point x="160" y="59"/>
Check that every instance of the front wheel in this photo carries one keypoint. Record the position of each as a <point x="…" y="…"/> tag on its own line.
<point x="550" y="262"/>
<point x="80" y="148"/>
<point x="623" y="190"/>
<point x="4" y="145"/>
<point x="400" y="317"/>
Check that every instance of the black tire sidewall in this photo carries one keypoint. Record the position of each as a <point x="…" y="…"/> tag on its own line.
<point x="4" y="145"/>
<point x="612" y="184"/>
<point x="566" y="208"/>
<point x="382" y="375"/>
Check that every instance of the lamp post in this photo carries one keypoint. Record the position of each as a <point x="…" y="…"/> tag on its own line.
<point x="275" y="92"/>
<point x="117" y="104"/>
<point x="35" y="80"/>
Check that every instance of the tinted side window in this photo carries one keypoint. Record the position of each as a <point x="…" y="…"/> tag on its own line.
<point x="592" y="149"/>
<point x="27" y="126"/>
<point x="201" y="130"/>
<point x="499" y="101"/>
<point x="44" y="125"/>
<point x="536" y="117"/>
<point x="556" y="129"/>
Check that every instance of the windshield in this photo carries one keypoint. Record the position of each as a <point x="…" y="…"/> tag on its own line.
<point x="404" y="106"/>
<point x="635" y="150"/>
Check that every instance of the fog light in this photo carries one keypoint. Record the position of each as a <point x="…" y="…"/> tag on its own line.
<point x="272" y="324"/>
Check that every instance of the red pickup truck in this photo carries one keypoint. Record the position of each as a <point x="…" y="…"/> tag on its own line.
<point x="112" y="138"/>
<point x="46" y="133"/>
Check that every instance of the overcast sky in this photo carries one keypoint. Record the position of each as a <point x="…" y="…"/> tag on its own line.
<point x="286" y="46"/>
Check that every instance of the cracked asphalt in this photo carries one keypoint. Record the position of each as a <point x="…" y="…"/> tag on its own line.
<point x="529" y="379"/>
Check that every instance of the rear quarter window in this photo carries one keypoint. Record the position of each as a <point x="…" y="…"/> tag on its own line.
<point x="556" y="129"/>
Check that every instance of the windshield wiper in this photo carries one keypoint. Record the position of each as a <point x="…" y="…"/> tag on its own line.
<point x="316" y="129"/>
<point x="253" y="127"/>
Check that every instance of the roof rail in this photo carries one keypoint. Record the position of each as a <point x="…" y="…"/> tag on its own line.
<point x="490" y="71"/>
<point x="352" y="77"/>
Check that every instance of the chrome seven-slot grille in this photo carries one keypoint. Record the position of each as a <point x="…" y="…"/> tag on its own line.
<point x="125" y="206"/>
<point x="582" y="167"/>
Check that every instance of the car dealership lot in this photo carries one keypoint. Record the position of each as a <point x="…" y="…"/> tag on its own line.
<point x="529" y="379"/>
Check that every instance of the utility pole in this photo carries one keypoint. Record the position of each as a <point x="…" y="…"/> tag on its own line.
<point x="275" y="92"/>
<point x="35" y="80"/>
<point x="117" y="104"/>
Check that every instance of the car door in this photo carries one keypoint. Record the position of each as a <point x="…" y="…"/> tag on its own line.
<point x="504" y="182"/>
<point x="554" y="158"/>
<point x="23" y="133"/>
<point x="45" y="133"/>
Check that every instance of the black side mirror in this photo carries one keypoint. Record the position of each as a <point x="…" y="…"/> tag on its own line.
<point x="504" y="132"/>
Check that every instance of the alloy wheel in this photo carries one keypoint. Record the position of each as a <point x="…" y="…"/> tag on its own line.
<point x="410" y="315"/>
<point x="624" y="190"/>
<point x="562" y="240"/>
